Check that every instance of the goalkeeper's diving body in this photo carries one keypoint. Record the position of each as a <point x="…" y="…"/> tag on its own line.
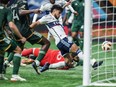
<point x="52" y="60"/>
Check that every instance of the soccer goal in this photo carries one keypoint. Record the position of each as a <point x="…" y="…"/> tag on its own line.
<point x="99" y="26"/>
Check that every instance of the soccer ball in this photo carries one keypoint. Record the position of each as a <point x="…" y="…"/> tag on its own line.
<point x="106" y="46"/>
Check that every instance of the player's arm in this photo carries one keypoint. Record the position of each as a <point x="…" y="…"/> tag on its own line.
<point x="34" y="24"/>
<point x="68" y="4"/>
<point x="23" y="12"/>
<point x="41" y="9"/>
<point x="13" y="26"/>
<point x="35" y="17"/>
<point x="40" y="21"/>
<point x="23" y="9"/>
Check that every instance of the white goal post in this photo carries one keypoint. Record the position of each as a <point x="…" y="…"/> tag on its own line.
<point x="99" y="26"/>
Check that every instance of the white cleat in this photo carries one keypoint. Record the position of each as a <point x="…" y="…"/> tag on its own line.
<point x="17" y="78"/>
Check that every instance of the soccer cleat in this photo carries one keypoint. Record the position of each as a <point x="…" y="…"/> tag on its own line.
<point x="2" y="77"/>
<point x="97" y="64"/>
<point x="4" y="68"/>
<point x="45" y="67"/>
<point x="36" y="68"/>
<point x="17" y="78"/>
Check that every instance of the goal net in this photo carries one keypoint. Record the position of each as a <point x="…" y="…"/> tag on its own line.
<point x="100" y="26"/>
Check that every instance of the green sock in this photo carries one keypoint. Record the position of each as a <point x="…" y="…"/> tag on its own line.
<point x="10" y="57"/>
<point x="76" y="41"/>
<point x="41" y="55"/>
<point x="1" y="63"/>
<point x="16" y="63"/>
<point x="81" y="44"/>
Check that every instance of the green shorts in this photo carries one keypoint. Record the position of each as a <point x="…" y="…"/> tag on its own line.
<point x="7" y="45"/>
<point x="76" y="26"/>
<point x="35" y="38"/>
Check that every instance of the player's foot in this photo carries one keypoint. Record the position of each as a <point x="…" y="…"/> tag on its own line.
<point x="17" y="78"/>
<point x="45" y="67"/>
<point x="4" y="68"/>
<point x="2" y="77"/>
<point x="36" y="68"/>
<point x="97" y="64"/>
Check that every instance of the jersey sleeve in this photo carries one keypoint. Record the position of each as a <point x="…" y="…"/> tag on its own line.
<point x="9" y="15"/>
<point x="43" y="8"/>
<point x="27" y="52"/>
<point x="43" y="20"/>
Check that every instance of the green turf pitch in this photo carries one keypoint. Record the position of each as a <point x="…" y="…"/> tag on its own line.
<point x="50" y="78"/>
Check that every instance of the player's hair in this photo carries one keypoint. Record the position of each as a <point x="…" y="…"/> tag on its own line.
<point x="57" y="7"/>
<point x="52" y="1"/>
<point x="4" y="1"/>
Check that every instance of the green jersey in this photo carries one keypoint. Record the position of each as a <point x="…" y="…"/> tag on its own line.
<point x="5" y="17"/>
<point x="78" y="5"/>
<point x="21" y="21"/>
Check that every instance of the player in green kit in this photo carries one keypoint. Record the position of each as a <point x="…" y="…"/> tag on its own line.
<point x="78" y="21"/>
<point x="22" y="20"/>
<point x="7" y="44"/>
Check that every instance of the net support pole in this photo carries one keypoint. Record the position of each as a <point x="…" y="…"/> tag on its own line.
<point x="87" y="42"/>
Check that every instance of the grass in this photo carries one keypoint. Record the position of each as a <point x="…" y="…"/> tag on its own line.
<point x="50" y="78"/>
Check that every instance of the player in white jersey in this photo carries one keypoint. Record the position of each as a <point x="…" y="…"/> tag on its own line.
<point x="57" y="31"/>
<point x="47" y="7"/>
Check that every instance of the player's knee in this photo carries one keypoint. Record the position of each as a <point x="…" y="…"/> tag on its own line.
<point x="74" y="34"/>
<point x="74" y="48"/>
<point x="46" y="42"/>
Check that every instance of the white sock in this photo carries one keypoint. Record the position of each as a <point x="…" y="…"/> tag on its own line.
<point x="14" y="75"/>
<point x="37" y="62"/>
<point x="92" y="61"/>
<point x="6" y="62"/>
<point x="80" y="55"/>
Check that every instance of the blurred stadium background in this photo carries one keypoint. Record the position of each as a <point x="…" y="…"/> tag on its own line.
<point x="99" y="13"/>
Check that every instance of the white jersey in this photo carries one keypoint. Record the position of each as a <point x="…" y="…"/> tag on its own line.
<point x="54" y="27"/>
<point x="48" y="6"/>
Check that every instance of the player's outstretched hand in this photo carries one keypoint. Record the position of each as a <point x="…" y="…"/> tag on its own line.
<point x="76" y="13"/>
<point x="23" y="39"/>
<point x="37" y="11"/>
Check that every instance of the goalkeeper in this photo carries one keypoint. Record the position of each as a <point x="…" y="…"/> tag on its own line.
<point x="53" y="59"/>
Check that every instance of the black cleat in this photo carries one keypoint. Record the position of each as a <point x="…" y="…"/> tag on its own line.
<point x="45" y="67"/>
<point x="36" y="68"/>
<point x="97" y="64"/>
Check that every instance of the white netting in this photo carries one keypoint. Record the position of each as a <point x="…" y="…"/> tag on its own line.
<point x="104" y="29"/>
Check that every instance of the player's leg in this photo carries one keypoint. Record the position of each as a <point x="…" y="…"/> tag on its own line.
<point x="4" y="45"/>
<point x="66" y="47"/>
<point x="94" y="63"/>
<point x="2" y="77"/>
<point x="74" y="32"/>
<point x="6" y="62"/>
<point x="16" y="61"/>
<point x="11" y="56"/>
<point x="37" y="38"/>
<point x="81" y="32"/>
